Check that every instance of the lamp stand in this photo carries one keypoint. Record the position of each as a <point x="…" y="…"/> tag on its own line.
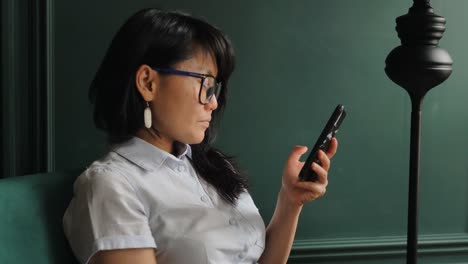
<point x="417" y="65"/>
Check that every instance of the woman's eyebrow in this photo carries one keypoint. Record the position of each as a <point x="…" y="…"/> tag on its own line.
<point x="210" y="73"/>
<point x="205" y="70"/>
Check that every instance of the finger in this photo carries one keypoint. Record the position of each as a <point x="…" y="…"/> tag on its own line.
<point x="324" y="160"/>
<point x="331" y="150"/>
<point x="321" y="192"/>
<point x="321" y="173"/>
<point x="296" y="154"/>
<point x="322" y="178"/>
<point x="312" y="187"/>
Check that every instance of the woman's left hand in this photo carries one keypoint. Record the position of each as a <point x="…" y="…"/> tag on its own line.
<point x="300" y="192"/>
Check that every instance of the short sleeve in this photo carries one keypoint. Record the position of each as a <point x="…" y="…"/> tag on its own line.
<point x="105" y="213"/>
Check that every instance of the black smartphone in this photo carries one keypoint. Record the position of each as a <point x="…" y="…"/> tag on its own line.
<point x="307" y="174"/>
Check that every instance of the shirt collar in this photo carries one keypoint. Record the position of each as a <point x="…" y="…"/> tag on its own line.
<point x="148" y="156"/>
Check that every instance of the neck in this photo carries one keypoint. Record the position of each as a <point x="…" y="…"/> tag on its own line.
<point x="161" y="142"/>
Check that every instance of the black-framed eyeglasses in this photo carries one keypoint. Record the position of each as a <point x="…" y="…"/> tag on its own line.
<point x="209" y="86"/>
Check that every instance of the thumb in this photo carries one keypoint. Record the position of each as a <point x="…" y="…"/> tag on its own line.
<point x="296" y="153"/>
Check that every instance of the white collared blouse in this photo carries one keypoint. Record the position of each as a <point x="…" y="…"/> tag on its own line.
<point x="139" y="196"/>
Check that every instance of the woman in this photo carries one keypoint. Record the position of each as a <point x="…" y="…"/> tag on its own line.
<point x="163" y="194"/>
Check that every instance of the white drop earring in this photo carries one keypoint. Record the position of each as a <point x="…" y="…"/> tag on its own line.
<point x="147" y="116"/>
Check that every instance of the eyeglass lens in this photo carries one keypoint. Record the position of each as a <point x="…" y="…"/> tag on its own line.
<point x="209" y="88"/>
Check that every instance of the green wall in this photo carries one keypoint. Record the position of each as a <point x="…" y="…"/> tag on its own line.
<point x="296" y="61"/>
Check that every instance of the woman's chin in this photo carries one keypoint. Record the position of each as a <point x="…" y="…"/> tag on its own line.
<point x="196" y="139"/>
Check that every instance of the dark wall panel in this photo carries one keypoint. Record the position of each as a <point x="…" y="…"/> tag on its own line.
<point x="24" y="94"/>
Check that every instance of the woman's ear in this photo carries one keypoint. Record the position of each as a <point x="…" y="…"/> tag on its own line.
<point x="146" y="82"/>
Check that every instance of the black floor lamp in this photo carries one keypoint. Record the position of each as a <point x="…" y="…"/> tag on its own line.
<point x="417" y="65"/>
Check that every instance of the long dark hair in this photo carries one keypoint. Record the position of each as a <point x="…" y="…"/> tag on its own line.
<point x="162" y="39"/>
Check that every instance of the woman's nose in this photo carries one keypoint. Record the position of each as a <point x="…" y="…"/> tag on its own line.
<point x="213" y="103"/>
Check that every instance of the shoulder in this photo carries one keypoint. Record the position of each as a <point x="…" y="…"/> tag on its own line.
<point x="106" y="212"/>
<point x="108" y="173"/>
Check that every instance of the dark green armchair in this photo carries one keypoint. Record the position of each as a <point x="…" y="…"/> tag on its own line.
<point x="31" y="218"/>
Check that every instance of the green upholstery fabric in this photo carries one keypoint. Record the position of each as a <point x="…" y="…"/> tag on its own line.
<point x="31" y="210"/>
